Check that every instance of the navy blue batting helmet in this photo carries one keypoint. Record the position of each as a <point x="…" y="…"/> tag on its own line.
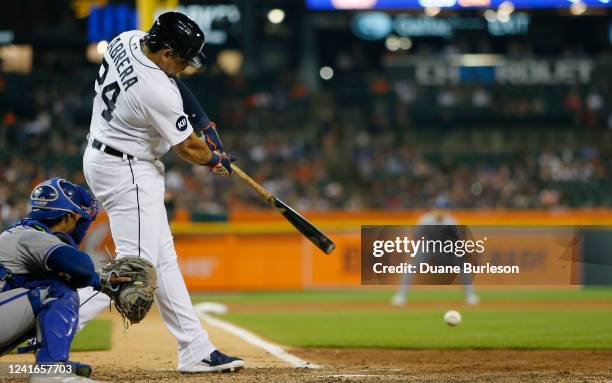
<point x="56" y="197"/>
<point x="182" y="35"/>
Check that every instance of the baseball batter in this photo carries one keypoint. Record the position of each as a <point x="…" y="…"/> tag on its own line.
<point x="40" y="270"/>
<point x="138" y="116"/>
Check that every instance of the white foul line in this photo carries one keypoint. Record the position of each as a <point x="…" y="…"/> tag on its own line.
<point x="253" y="339"/>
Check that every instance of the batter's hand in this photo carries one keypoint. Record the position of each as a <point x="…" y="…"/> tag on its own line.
<point x="221" y="163"/>
<point x="211" y="136"/>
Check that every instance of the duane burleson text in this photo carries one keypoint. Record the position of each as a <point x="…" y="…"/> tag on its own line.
<point x="426" y="268"/>
<point x="404" y="245"/>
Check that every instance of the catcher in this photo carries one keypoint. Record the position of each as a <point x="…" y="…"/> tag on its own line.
<point x="40" y="270"/>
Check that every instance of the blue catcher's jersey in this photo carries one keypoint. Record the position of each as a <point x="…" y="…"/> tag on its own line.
<point x="24" y="250"/>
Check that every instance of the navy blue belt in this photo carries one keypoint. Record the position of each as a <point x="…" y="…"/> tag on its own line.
<point x="108" y="150"/>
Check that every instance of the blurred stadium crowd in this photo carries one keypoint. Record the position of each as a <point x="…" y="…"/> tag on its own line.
<point x="369" y="143"/>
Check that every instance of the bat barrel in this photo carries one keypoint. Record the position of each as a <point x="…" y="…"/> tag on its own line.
<point x="315" y="236"/>
<point x="329" y="247"/>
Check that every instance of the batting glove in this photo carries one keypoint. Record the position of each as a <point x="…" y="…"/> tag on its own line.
<point x="221" y="163"/>
<point x="211" y="136"/>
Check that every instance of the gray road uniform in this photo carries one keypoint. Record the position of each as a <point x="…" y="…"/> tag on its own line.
<point x="40" y="271"/>
<point x="23" y="250"/>
<point x="435" y="225"/>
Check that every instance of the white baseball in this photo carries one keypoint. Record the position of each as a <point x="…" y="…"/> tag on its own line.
<point x="452" y="318"/>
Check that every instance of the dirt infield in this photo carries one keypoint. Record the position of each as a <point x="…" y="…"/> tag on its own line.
<point x="147" y="353"/>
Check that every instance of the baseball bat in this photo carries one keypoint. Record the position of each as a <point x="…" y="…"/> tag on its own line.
<point x="315" y="236"/>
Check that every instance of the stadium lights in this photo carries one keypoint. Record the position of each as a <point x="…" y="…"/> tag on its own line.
<point x="16" y="58"/>
<point x="101" y="47"/>
<point x="578" y="8"/>
<point x="503" y="17"/>
<point x="392" y="43"/>
<point x="432" y="11"/>
<point x="506" y="7"/>
<point x="326" y="73"/>
<point x="490" y="15"/>
<point x="405" y="43"/>
<point x="230" y="61"/>
<point x="395" y="43"/>
<point x="504" y="11"/>
<point x="276" y="16"/>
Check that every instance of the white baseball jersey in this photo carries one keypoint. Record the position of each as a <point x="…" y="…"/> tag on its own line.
<point x="137" y="109"/>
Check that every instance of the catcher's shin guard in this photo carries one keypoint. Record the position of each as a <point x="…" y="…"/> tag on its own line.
<point x="56" y="324"/>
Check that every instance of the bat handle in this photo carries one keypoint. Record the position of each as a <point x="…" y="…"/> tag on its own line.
<point x="258" y="188"/>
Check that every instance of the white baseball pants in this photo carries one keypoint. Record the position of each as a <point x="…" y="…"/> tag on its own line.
<point x="132" y="193"/>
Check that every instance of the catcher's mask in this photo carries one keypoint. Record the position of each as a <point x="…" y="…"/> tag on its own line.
<point x="56" y="197"/>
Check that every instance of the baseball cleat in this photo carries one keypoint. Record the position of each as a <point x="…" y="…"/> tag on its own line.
<point x="80" y="369"/>
<point x="217" y="362"/>
<point x="74" y="372"/>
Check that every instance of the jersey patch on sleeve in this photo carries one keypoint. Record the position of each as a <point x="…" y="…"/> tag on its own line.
<point x="181" y="123"/>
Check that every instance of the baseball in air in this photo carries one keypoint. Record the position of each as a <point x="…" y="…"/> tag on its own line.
<point x="452" y="318"/>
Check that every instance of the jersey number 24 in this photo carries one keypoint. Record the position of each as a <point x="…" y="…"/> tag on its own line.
<point x="111" y="89"/>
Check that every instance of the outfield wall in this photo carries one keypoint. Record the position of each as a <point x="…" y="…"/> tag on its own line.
<point x="258" y="250"/>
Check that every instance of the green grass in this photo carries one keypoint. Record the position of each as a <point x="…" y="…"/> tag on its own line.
<point x="96" y="336"/>
<point x="530" y="329"/>
<point x="416" y="295"/>
<point x="576" y="326"/>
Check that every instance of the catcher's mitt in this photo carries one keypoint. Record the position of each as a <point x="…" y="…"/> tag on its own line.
<point x="132" y="299"/>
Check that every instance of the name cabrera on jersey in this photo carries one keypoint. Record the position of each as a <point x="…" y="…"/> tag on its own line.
<point x="138" y="109"/>
<point x="24" y="250"/>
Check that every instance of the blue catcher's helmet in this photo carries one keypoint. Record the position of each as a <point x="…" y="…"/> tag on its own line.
<point x="56" y="197"/>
